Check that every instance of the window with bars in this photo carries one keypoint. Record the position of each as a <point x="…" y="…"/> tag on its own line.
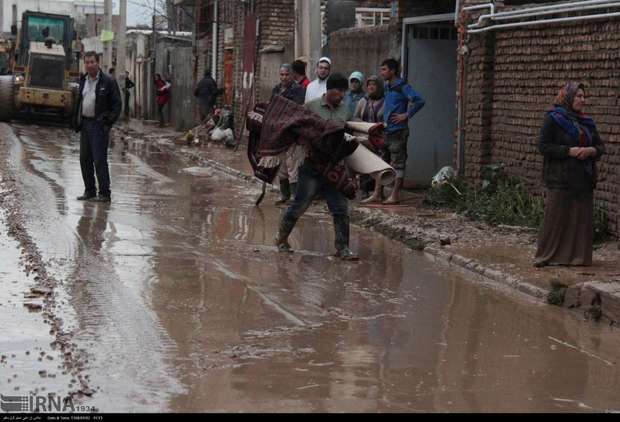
<point x="372" y="16"/>
<point x="437" y="31"/>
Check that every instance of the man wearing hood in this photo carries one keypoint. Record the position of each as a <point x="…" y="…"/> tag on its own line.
<point x="370" y="109"/>
<point x="318" y="87"/>
<point x="356" y="92"/>
<point x="401" y="104"/>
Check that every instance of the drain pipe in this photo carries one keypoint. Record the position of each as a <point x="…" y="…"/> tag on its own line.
<point x="492" y="13"/>
<point x="607" y="5"/>
<point x="537" y="11"/>
<point x="544" y="21"/>
<point x="490" y="6"/>
<point x="462" y="60"/>
<point x="214" y="40"/>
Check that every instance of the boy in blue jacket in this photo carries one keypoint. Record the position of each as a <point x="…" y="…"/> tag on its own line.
<point x="397" y="112"/>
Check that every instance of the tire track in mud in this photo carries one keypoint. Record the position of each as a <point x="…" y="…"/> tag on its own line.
<point x="74" y="358"/>
<point x="101" y="305"/>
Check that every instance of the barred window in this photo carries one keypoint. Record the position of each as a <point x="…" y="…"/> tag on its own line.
<point x="372" y="16"/>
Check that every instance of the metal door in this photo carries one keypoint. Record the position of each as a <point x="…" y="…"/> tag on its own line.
<point x="432" y="72"/>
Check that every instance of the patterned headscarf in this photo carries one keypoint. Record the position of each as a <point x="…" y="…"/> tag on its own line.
<point x="380" y="90"/>
<point x="566" y="96"/>
<point x="576" y="124"/>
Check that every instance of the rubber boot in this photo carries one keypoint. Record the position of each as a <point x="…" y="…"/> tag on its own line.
<point x="342" y="231"/>
<point x="285" y="229"/>
<point x="293" y="189"/>
<point x="285" y="192"/>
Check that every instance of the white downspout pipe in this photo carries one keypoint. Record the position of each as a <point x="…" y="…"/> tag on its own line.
<point x="214" y="41"/>
<point x="490" y="6"/>
<point x="543" y="21"/>
<point x="525" y="14"/>
<point x="551" y="12"/>
<point x="557" y="8"/>
<point x="551" y="6"/>
<point x="404" y="56"/>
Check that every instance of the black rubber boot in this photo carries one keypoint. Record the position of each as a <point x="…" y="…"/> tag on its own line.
<point x="293" y="190"/>
<point x="285" y="229"/>
<point x="342" y="230"/>
<point x="285" y="191"/>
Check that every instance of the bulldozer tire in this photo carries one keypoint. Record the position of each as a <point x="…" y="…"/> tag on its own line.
<point x="7" y="98"/>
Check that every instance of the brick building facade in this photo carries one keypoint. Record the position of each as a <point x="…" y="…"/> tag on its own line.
<point x="511" y="76"/>
<point x="274" y="44"/>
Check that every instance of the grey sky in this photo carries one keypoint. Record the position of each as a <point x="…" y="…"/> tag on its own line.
<point x="138" y="11"/>
<point x="137" y="14"/>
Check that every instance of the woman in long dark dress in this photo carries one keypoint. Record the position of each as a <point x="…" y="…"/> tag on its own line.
<point x="570" y="145"/>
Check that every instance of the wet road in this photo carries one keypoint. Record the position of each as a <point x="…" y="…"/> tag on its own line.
<point x="180" y="303"/>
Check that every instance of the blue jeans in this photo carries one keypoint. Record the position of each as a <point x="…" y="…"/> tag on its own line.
<point x="309" y="184"/>
<point x="94" y="142"/>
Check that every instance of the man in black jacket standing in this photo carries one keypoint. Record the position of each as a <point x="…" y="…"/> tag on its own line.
<point x="128" y="86"/>
<point x="98" y="107"/>
<point x="206" y="91"/>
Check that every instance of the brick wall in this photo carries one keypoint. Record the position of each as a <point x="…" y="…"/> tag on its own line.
<point x="277" y="29"/>
<point x="379" y="43"/>
<point x="512" y="78"/>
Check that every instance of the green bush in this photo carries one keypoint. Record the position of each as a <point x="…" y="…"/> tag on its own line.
<point x="502" y="199"/>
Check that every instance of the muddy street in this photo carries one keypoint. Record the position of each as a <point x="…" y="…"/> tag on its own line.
<point x="173" y="298"/>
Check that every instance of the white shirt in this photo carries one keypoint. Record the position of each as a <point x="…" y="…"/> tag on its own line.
<point x="89" y="96"/>
<point x="316" y="89"/>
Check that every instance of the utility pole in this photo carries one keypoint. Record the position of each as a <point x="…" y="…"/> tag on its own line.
<point x="107" y="26"/>
<point x="308" y="29"/>
<point x="121" y="45"/>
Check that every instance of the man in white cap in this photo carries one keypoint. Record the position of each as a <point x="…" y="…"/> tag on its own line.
<point x="318" y="87"/>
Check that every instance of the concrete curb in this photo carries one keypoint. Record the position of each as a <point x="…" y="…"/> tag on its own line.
<point x="488" y="274"/>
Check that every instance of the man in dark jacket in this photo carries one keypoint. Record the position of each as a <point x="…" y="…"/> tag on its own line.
<point x="206" y="91"/>
<point x="97" y="109"/>
<point x="287" y="87"/>
<point x="288" y="173"/>
<point x="127" y="90"/>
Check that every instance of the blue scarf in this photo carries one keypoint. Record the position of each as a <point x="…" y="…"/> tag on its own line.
<point x="572" y="123"/>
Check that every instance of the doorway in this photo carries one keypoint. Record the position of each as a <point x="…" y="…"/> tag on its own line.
<point x="431" y="68"/>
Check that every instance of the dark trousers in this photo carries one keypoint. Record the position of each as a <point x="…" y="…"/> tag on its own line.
<point x="94" y="142"/>
<point x="127" y="96"/>
<point x="309" y="184"/>
<point x="160" y="111"/>
<point x="205" y="110"/>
